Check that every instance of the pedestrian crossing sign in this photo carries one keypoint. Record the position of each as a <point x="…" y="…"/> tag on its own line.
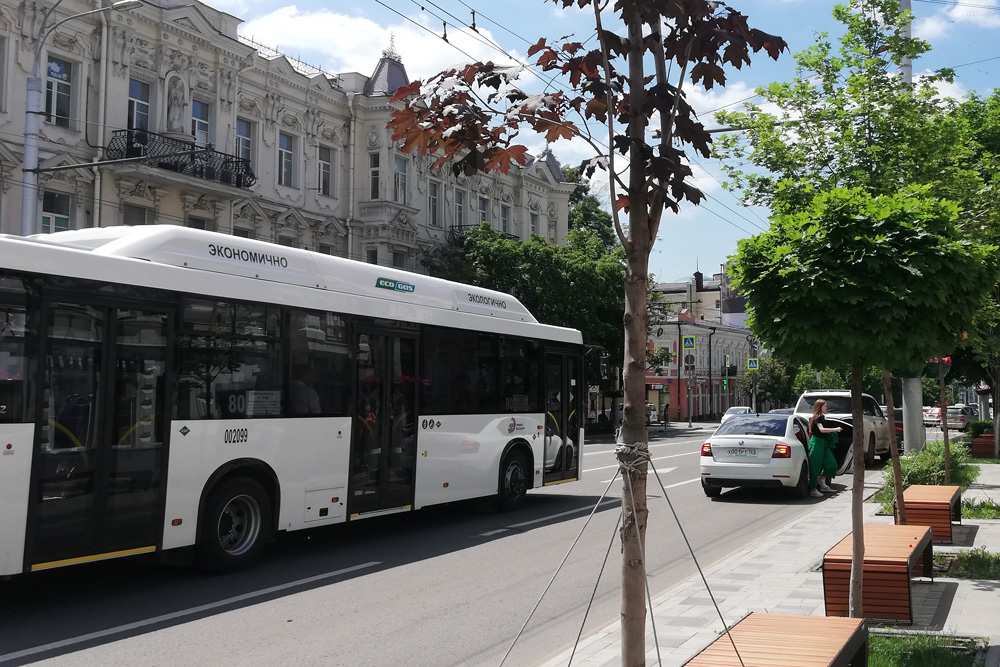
<point x="753" y="364"/>
<point x="688" y="342"/>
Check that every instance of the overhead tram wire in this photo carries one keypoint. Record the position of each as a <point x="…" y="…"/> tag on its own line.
<point x="950" y="3"/>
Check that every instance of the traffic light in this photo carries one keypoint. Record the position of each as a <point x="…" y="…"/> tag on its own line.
<point x="725" y="383"/>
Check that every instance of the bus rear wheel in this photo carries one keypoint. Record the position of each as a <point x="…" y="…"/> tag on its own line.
<point x="514" y="476"/>
<point x="237" y="523"/>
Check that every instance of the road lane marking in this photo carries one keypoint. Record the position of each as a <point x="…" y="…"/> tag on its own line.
<point x="662" y="471"/>
<point x="522" y="524"/>
<point x="190" y="611"/>
<point x="685" y="441"/>
<point x="658" y="458"/>
<point x="687" y="481"/>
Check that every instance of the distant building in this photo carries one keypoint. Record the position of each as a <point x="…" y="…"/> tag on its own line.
<point x="713" y="314"/>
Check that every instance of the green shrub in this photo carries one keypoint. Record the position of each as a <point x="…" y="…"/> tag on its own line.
<point x="977" y="428"/>
<point x="920" y="651"/>
<point x="986" y="508"/>
<point x="927" y="467"/>
<point x="978" y="563"/>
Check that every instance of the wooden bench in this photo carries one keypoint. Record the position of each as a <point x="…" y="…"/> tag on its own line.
<point x="892" y="555"/>
<point x="789" y="639"/>
<point x="934" y="506"/>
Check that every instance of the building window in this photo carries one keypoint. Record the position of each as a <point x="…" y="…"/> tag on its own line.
<point x="58" y="92"/>
<point x="534" y="224"/>
<point x="287" y="241"/>
<point x="244" y="139"/>
<point x="399" y="260"/>
<point x="372" y="256"/>
<point x="399" y="181"/>
<point x="138" y="105"/>
<point x="56" y="212"/>
<point x="325" y="249"/>
<point x="325" y="184"/>
<point x="286" y="157"/>
<point x="135" y="215"/>
<point x="460" y="208"/>
<point x="484" y="210"/>
<point x="434" y="203"/>
<point x="201" y="223"/>
<point x="242" y="232"/>
<point x="373" y="171"/>
<point x="505" y="218"/>
<point x="199" y="122"/>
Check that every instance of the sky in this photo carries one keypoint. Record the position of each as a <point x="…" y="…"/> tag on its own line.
<point x="350" y="35"/>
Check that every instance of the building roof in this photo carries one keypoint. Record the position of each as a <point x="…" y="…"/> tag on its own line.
<point x="389" y="75"/>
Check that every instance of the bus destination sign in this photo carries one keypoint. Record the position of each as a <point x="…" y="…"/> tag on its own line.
<point x="395" y="285"/>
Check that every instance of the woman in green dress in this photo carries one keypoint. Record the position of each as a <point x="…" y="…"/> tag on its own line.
<point x="822" y="441"/>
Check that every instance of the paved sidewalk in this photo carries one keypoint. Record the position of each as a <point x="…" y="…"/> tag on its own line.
<point x="778" y="573"/>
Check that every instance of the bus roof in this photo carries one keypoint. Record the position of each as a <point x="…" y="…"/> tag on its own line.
<point x="177" y="258"/>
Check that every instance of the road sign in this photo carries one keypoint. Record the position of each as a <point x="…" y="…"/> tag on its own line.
<point x="728" y="361"/>
<point x="753" y="363"/>
<point x="688" y="342"/>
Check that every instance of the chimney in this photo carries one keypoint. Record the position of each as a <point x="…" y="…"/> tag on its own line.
<point x="699" y="281"/>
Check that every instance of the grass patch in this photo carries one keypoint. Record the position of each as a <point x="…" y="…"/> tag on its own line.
<point x="978" y="563"/>
<point x="921" y="651"/>
<point x="927" y="467"/>
<point x="980" y="509"/>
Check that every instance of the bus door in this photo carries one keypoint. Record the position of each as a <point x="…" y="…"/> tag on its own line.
<point x="563" y="405"/>
<point x="384" y="433"/>
<point x="97" y="486"/>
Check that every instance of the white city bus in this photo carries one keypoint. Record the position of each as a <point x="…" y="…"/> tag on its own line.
<point x="164" y="387"/>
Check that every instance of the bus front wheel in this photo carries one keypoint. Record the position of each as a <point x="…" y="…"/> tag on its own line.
<point x="514" y="476"/>
<point x="237" y="523"/>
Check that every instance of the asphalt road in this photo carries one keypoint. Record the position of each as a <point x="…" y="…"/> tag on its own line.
<point x="444" y="586"/>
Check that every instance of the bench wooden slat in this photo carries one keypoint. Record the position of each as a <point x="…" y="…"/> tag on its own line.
<point x="786" y="639"/>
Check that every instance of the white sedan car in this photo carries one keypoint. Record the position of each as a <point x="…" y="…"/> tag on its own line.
<point x="761" y="451"/>
<point x="736" y="410"/>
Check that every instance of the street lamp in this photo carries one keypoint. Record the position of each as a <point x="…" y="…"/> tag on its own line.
<point x="33" y="110"/>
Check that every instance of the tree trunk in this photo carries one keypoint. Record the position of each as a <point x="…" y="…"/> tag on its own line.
<point x="633" y="530"/>
<point x="944" y="424"/>
<point x="897" y="473"/>
<point x="857" y="495"/>
<point x="995" y="413"/>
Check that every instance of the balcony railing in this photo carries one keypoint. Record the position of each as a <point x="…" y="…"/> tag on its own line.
<point x="183" y="157"/>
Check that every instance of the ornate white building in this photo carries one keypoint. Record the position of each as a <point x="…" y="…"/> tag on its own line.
<point x="298" y="156"/>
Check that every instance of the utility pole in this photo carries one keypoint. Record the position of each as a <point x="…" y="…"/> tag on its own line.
<point x="913" y="418"/>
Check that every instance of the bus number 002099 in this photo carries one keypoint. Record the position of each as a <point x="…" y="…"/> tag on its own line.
<point x="236" y="435"/>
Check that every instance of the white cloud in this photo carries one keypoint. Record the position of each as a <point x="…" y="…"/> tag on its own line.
<point x="953" y="90"/>
<point x="705" y="101"/>
<point x="355" y="43"/>
<point x="931" y="28"/>
<point x="982" y="14"/>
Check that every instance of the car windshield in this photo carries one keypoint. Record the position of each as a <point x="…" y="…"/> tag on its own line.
<point x="736" y="411"/>
<point x="838" y="405"/>
<point x="754" y="425"/>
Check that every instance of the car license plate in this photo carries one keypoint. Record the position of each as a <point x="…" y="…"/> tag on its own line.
<point x="741" y="451"/>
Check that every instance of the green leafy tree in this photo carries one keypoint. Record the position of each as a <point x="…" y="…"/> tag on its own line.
<point x="850" y="134"/>
<point x="865" y="280"/>
<point x="549" y="280"/>
<point x="809" y="378"/>
<point x="586" y="212"/>
<point x="773" y="378"/>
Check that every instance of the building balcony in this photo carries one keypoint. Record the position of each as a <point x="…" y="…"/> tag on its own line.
<point x="184" y="158"/>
